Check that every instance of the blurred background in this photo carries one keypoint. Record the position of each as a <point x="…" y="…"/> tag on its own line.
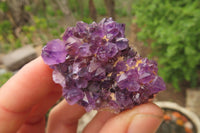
<point x="167" y="31"/>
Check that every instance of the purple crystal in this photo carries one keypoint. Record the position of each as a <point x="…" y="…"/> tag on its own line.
<point x="111" y="50"/>
<point x="73" y="95"/>
<point x="129" y="80"/>
<point x="58" y="78"/>
<point x="98" y="70"/>
<point x="122" y="43"/>
<point x="121" y="66"/>
<point x="84" y="50"/>
<point x="54" y="52"/>
<point x="102" y="54"/>
<point x="124" y="99"/>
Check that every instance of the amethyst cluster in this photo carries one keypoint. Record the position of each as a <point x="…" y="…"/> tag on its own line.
<point x="97" y="68"/>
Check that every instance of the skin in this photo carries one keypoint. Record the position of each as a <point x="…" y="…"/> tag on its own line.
<point x="31" y="92"/>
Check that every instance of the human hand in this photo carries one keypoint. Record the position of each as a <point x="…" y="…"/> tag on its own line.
<point x="31" y="92"/>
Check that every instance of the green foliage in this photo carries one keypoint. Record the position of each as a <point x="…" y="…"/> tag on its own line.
<point x="43" y="38"/>
<point x="101" y="10"/>
<point x="62" y="30"/>
<point x="174" y="27"/>
<point x="86" y="12"/>
<point x="3" y="6"/>
<point x="40" y="22"/>
<point x="27" y="28"/>
<point x="73" y="5"/>
<point x="18" y="43"/>
<point x="121" y="12"/>
<point x="5" y="27"/>
<point x="50" y="11"/>
<point x="28" y="8"/>
<point x="59" y="13"/>
<point x="52" y="23"/>
<point x="4" y="77"/>
<point x="5" y="47"/>
<point x="45" y="25"/>
<point x="55" y="33"/>
<point x="100" y="7"/>
<point x="79" y="8"/>
<point x="46" y="21"/>
<point x="87" y="20"/>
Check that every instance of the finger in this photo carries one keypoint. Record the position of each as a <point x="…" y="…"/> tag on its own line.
<point x="98" y="121"/>
<point x="145" y="118"/>
<point x="64" y="118"/>
<point x="37" y="127"/>
<point x="35" y="122"/>
<point x="27" y="87"/>
<point x="22" y="91"/>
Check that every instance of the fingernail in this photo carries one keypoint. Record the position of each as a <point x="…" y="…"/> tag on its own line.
<point x="144" y="123"/>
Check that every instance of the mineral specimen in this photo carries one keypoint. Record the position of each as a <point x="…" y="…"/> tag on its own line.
<point x="99" y="70"/>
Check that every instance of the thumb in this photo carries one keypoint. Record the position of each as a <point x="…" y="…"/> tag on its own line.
<point x="145" y="118"/>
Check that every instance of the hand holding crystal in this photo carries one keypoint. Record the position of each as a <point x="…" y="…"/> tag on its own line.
<point x="31" y="92"/>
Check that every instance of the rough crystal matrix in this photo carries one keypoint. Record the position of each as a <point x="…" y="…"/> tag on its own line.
<point x="98" y="70"/>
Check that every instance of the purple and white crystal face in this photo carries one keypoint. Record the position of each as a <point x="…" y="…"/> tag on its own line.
<point x="54" y="52"/>
<point x="98" y="70"/>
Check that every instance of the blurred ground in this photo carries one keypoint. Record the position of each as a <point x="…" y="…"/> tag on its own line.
<point x="170" y="95"/>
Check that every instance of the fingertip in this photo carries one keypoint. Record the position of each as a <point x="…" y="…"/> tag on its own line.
<point x="98" y="121"/>
<point x="139" y="121"/>
<point x="149" y="114"/>
<point x="148" y="108"/>
<point x="64" y="117"/>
